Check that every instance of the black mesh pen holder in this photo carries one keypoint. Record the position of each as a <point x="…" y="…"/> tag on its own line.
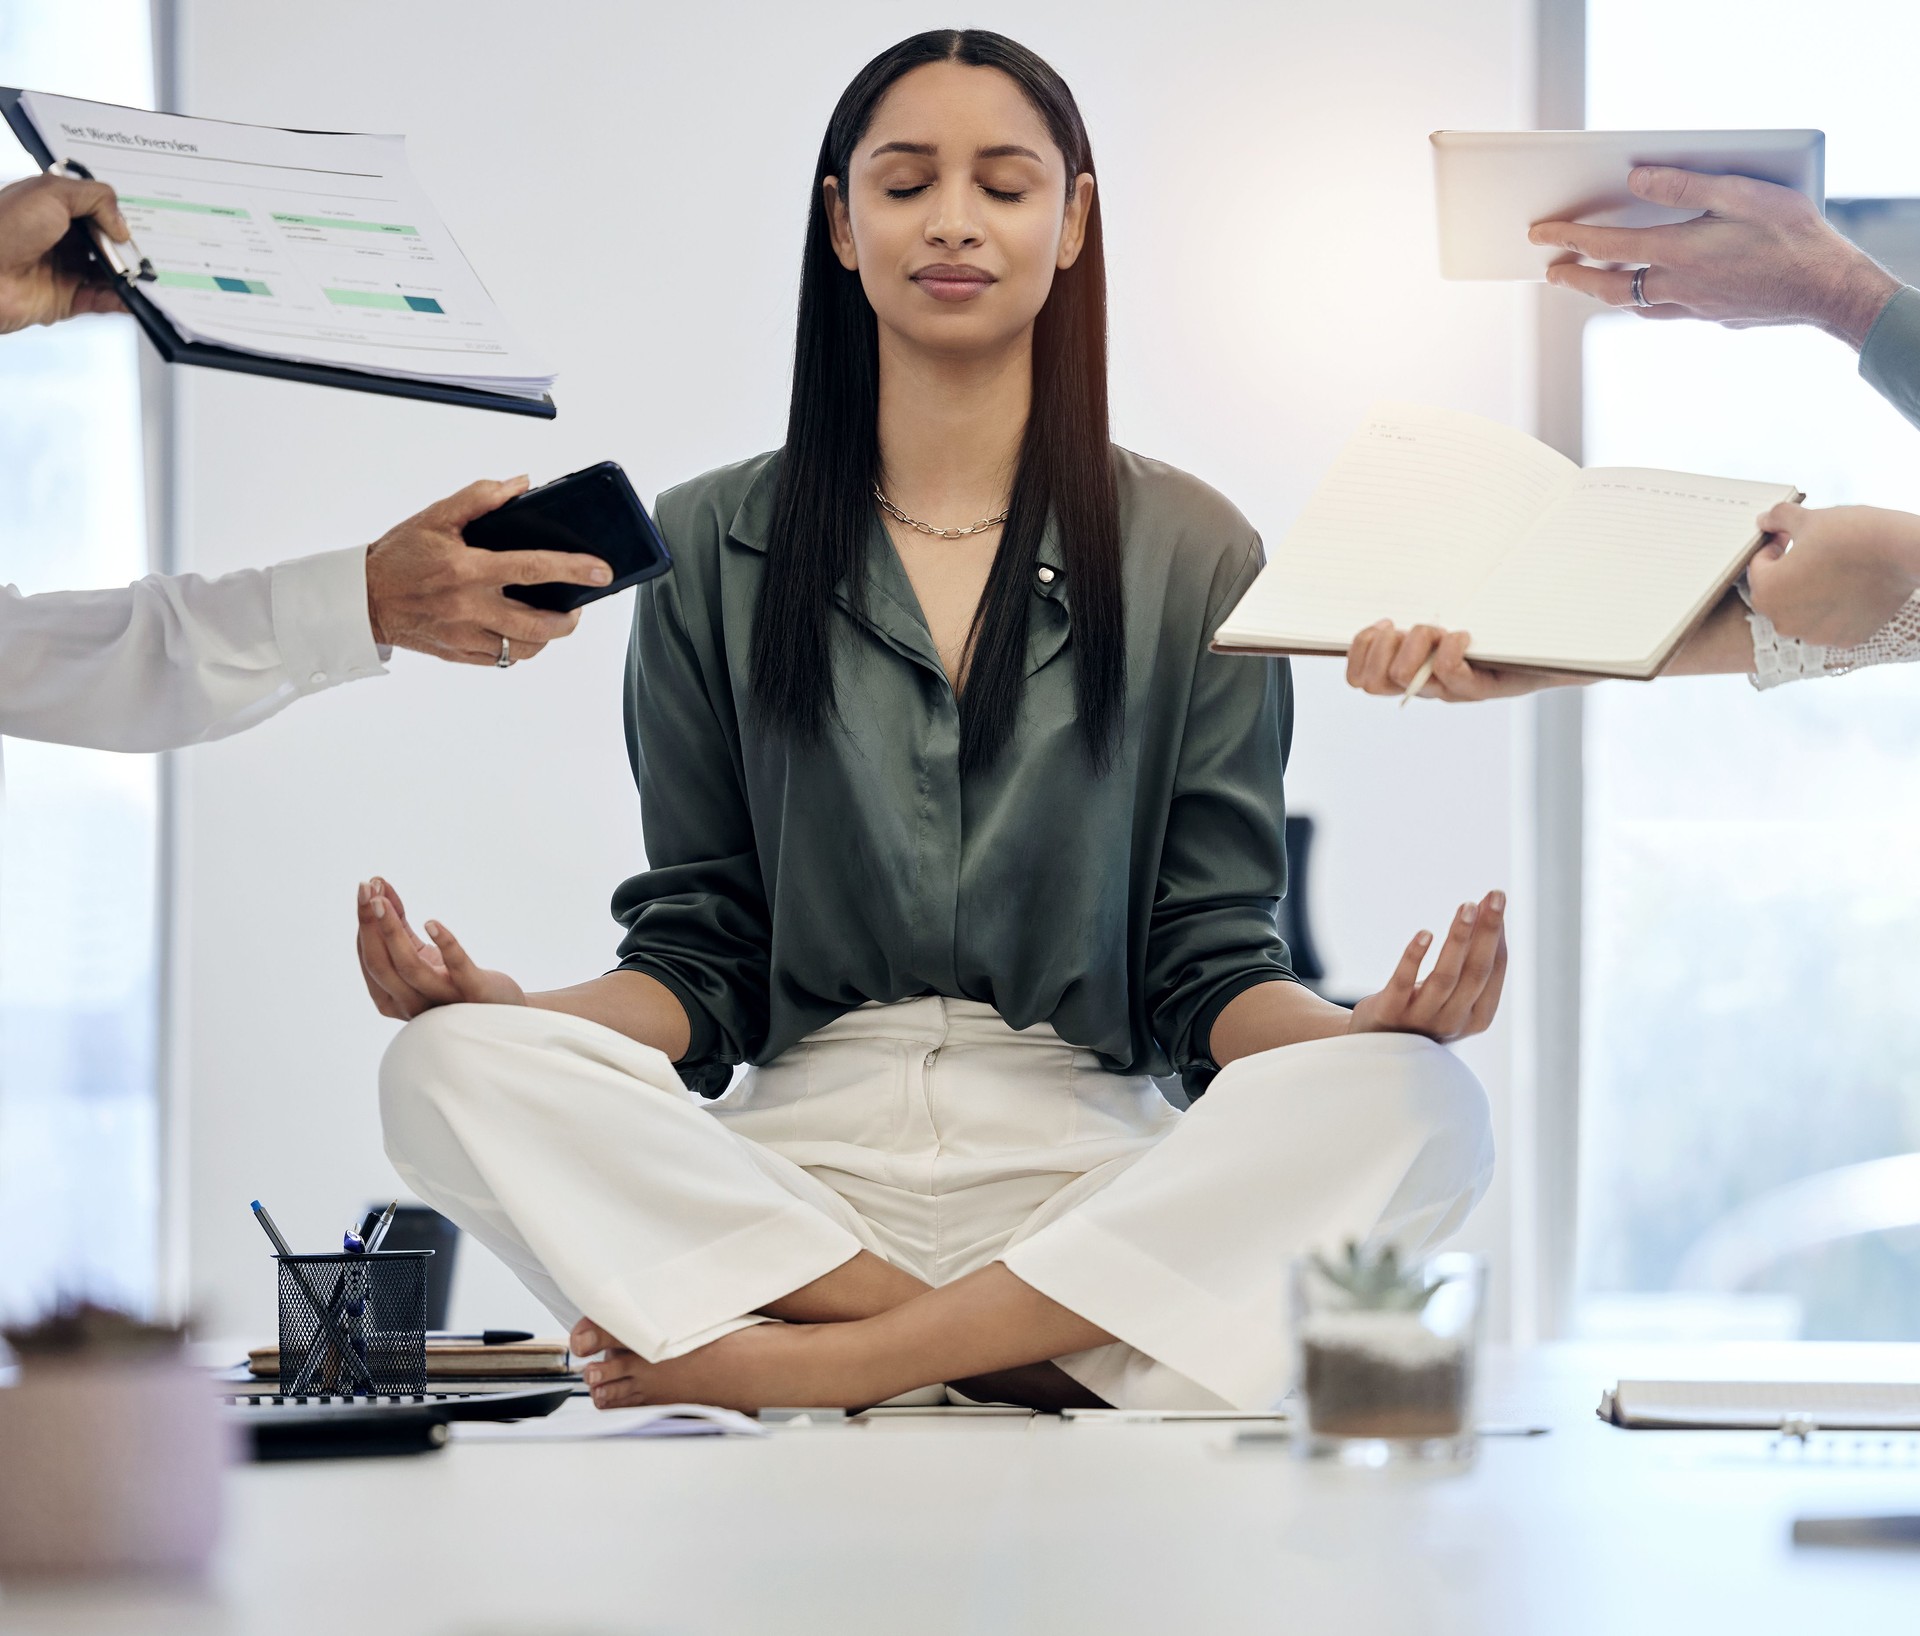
<point x="355" y="1325"/>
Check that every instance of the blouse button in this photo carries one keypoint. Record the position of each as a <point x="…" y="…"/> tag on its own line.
<point x="1045" y="576"/>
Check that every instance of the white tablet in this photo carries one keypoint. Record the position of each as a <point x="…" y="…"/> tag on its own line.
<point x="1494" y="185"/>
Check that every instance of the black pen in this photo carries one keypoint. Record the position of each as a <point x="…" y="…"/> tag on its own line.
<point x="486" y="1337"/>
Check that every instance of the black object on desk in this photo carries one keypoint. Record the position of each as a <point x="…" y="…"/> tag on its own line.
<point x="342" y="1428"/>
<point x="486" y="1337"/>
<point x="1897" y="1531"/>
<point x="593" y="511"/>
<point x="419" y="1227"/>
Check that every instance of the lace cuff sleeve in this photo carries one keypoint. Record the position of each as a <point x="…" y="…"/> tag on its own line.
<point x="1778" y="659"/>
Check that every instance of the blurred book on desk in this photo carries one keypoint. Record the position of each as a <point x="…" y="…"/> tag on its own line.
<point x="459" y="1359"/>
<point x="1730" y="1405"/>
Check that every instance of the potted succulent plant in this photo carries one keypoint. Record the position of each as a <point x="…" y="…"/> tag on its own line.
<point x="1386" y="1349"/>
<point x="111" y="1449"/>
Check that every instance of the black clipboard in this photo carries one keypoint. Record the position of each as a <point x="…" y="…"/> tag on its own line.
<point x="175" y="350"/>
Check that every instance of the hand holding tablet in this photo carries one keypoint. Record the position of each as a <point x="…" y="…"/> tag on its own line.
<point x="1721" y="225"/>
<point x="1494" y="186"/>
<point x="1753" y="254"/>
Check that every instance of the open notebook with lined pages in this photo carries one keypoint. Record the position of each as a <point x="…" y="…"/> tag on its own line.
<point x="1437" y="517"/>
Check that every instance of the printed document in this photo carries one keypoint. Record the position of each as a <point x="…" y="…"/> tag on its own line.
<point x="312" y="247"/>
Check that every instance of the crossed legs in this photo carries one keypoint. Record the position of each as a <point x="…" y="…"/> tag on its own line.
<point x="572" y="1152"/>
<point x="863" y="1333"/>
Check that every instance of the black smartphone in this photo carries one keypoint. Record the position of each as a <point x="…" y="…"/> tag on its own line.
<point x="595" y="511"/>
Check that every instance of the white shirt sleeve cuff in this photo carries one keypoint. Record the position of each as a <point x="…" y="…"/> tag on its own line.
<point x="320" y="619"/>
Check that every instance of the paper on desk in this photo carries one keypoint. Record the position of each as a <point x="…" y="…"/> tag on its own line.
<point x="1125" y="1417"/>
<point x="581" y="1424"/>
<point x="313" y="247"/>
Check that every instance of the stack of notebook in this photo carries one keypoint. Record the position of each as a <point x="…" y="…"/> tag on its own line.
<point x="458" y="1358"/>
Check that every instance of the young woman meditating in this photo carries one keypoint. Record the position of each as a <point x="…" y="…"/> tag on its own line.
<point x="957" y="833"/>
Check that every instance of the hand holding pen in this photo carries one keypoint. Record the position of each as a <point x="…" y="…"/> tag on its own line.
<point x="1425" y="660"/>
<point x="44" y="276"/>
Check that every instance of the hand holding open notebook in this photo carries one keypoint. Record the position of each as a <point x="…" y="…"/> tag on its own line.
<point x="1435" y="517"/>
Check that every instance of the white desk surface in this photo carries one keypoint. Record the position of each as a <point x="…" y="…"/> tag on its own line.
<point x="1013" y="1526"/>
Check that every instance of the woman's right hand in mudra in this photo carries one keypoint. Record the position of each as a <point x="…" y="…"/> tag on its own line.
<point x="407" y="974"/>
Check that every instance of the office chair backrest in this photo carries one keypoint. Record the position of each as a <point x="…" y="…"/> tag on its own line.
<point x="1295" y="927"/>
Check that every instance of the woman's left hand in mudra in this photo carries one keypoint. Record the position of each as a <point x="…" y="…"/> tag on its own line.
<point x="1462" y="992"/>
<point x="407" y="974"/>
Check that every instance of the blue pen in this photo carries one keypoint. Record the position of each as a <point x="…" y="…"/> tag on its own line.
<point x="349" y="1300"/>
<point x="266" y="1223"/>
<point x="356" y="1284"/>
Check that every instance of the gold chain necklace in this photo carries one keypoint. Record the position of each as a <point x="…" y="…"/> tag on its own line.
<point x="900" y="516"/>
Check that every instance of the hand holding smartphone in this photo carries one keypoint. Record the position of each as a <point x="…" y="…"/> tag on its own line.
<point x="593" y="511"/>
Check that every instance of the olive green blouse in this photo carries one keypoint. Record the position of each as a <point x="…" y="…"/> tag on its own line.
<point x="789" y="883"/>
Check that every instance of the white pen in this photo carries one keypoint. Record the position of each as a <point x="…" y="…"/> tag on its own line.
<point x="379" y="1234"/>
<point x="1420" y="679"/>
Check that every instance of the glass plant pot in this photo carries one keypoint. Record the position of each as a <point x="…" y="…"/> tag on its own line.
<point x="1385" y="1366"/>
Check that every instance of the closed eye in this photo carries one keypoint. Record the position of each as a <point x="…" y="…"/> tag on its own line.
<point x="991" y="192"/>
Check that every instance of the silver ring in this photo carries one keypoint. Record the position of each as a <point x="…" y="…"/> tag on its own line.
<point x="1640" y="288"/>
<point x="506" y="657"/>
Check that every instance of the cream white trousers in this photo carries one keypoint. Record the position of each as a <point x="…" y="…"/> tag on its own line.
<point x="932" y="1134"/>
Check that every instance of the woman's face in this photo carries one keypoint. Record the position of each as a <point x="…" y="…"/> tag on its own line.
<point x="958" y="210"/>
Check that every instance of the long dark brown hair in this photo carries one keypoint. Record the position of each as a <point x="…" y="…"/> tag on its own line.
<point x="824" y="510"/>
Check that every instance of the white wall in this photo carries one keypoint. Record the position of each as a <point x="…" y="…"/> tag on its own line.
<point x="631" y="183"/>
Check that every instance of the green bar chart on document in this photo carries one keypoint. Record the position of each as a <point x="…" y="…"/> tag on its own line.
<point x="320" y="248"/>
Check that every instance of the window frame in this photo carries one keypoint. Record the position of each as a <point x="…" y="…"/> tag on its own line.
<point x="160" y="389"/>
<point x="1547" y="1044"/>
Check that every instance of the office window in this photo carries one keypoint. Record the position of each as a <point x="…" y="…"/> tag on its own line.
<point x="79" y="1118"/>
<point x="1751" y="1037"/>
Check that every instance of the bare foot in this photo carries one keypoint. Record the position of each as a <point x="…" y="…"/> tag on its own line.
<point x="986" y="1323"/>
<point x="766" y="1364"/>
